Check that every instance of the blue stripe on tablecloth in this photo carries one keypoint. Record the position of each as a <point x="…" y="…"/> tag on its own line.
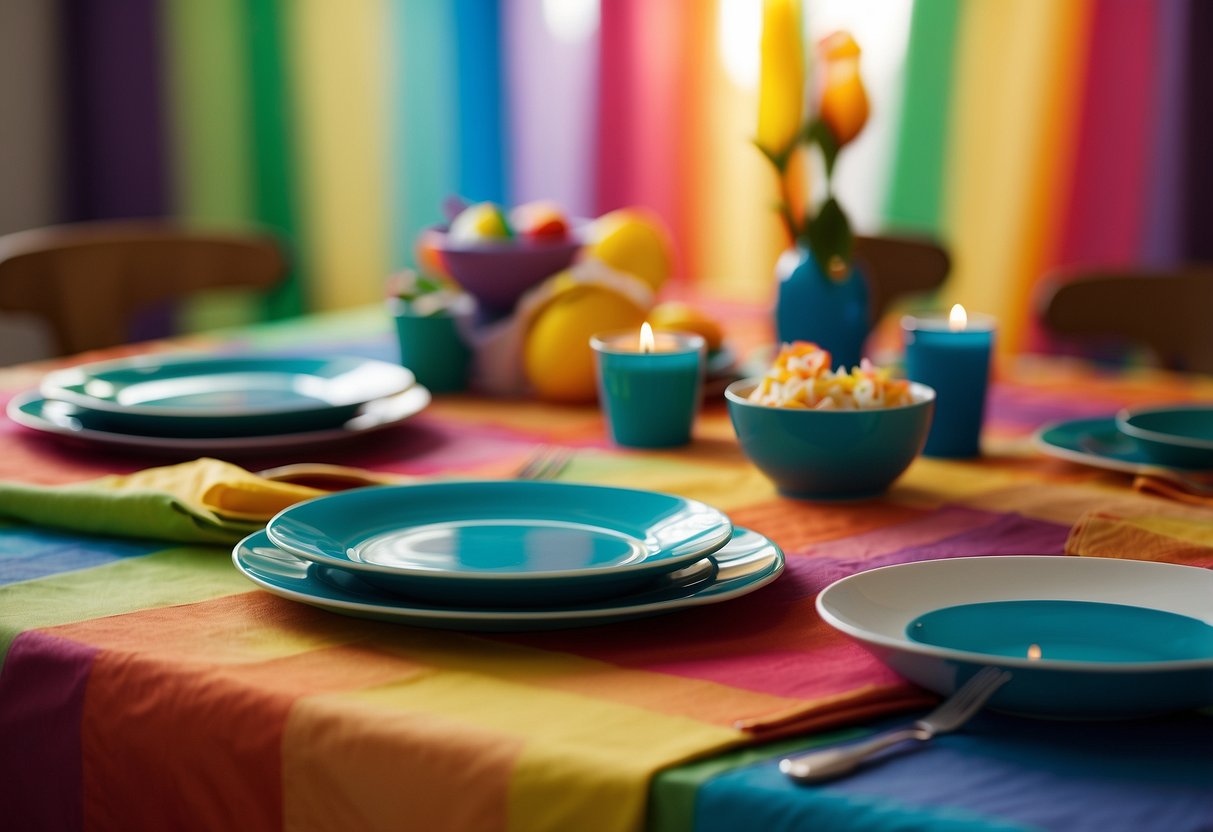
<point x="27" y="553"/>
<point x="1001" y="773"/>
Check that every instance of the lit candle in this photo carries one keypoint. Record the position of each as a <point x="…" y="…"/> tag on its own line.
<point x="649" y="385"/>
<point x="952" y="355"/>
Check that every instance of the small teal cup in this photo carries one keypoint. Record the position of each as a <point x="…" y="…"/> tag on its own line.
<point x="1178" y="435"/>
<point x="434" y="346"/>
<point x="956" y="363"/>
<point x="649" y="398"/>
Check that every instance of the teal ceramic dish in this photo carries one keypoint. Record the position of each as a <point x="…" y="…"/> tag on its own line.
<point x="747" y="562"/>
<point x="1095" y="442"/>
<point x="1083" y="638"/>
<point x="830" y="454"/>
<point x="1176" y="435"/>
<point x="506" y="543"/>
<point x="214" y="396"/>
<point x="69" y="423"/>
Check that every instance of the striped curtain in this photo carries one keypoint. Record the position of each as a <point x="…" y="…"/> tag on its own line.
<point x="1026" y="136"/>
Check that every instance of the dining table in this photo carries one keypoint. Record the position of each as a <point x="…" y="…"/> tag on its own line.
<point x="148" y="684"/>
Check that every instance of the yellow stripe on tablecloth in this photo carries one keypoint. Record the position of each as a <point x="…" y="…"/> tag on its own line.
<point x="933" y="482"/>
<point x="338" y="60"/>
<point x="574" y="761"/>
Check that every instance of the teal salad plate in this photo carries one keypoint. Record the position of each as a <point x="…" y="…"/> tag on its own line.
<point x="69" y="423"/>
<point x="508" y="543"/>
<point x="208" y="396"/>
<point x="746" y="563"/>
<point x="1176" y="435"/>
<point x="1083" y="638"/>
<point x="1099" y="443"/>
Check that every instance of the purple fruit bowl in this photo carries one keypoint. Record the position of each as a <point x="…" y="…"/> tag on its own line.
<point x="497" y="274"/>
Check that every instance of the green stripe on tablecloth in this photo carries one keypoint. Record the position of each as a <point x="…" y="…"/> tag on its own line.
<point x="915" y="198"/>
<point x="273" y="148"/>
<point x="180" y="575"/>
<point x="672" y="795"/>
<point x="207" y="71"/>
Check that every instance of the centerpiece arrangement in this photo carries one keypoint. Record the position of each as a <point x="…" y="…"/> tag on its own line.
<point x="822" y="295"/>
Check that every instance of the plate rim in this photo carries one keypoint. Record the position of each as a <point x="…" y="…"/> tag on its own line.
<point x="906" y="645"/>
<point x="723" y="534"/>
<point x="52" y="387"/>
<point x="1088" y="458"/>
<point x="1124" y="423"/>
<point x="221" y="444"/>
<point x="400" y="607"/>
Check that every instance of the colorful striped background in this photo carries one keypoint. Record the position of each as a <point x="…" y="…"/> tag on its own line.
<point x="1026" y="135"/>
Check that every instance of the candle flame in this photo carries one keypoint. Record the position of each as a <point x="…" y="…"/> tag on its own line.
<point x="1033" y="652"/>
<point x="647" y="342"/>
<point x="958" y="319"/>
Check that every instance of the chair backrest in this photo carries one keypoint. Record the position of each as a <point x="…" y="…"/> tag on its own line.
<point x="88" y="280"/>
<point x="1170" y="313"/>
<point x="899" y="266"/>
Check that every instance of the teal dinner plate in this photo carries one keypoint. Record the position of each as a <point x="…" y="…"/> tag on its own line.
<point x="77" y="425"/>
<point x="506" y="543"/>
<point x="746" y="563"/>
<point x="1083" y="638"/>
<point x="228" y="395"/>
<point x="1098" y="443"/>
<point x="1176" y="435"/>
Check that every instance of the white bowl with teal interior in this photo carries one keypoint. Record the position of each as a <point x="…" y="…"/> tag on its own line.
<point x="1083" y="638"/>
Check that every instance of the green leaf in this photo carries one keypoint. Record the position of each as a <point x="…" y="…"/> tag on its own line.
<point x="778" y="160"/>
<point x="818" y="132"/>
<point x="829" y="238"/>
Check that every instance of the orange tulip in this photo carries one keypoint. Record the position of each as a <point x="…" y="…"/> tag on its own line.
<point x="844" y="101"/>
<point x="781" y="85"/>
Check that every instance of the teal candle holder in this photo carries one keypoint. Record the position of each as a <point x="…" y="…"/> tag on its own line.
<point x="434" y="346"/>
<point x="649" y="399"/>
<point x="955" y="361"/>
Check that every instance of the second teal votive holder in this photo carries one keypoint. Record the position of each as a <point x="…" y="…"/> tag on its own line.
<point x="649" y="399"/>
<point x="434" y="346"/>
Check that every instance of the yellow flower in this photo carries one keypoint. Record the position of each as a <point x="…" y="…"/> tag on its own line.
<point x="844" y="101"/>
<point x="781" y="88"/>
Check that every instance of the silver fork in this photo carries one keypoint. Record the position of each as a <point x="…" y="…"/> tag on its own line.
<point x="546" y="462"/>
<point x="955" y="711"/>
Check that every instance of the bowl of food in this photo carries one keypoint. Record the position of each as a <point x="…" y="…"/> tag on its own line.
<point x="497" y="256"/>
<point x="824" y="434"/>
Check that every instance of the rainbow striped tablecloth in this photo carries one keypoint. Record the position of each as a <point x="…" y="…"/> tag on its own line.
<point x="147" y="685"/>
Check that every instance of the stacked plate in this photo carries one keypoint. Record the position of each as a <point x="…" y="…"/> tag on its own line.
<point x="220" y="404"/>
<point x="506" y="555"/>
<point x="1136" y="440"/>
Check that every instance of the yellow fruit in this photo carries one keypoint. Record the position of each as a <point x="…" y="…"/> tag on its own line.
<point x="557" y="358"/>
<point x="481" y="222"/>
<point x="633" y="241"/>
<point x="685" y="318"/>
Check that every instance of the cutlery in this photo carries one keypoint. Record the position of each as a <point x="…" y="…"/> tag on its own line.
<point x="956" y="710"/>
<point x="546" y="462"/>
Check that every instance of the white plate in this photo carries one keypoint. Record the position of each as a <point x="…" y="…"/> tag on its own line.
<point x="66" y="421"/>
<point x="878" y="606"/>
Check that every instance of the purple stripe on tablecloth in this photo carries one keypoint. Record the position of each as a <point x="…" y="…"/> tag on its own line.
<point x="116" y="154"/>
<point x="1015" y="407"/>
<point x="42" y="688"/>
<point x="27" y="553"/>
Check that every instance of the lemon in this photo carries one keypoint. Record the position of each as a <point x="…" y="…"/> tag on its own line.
<point x="557" y="358"/>
<point x="481" y="222"/>
<point x="633" y="241"/>
<point x="683" y="317"/>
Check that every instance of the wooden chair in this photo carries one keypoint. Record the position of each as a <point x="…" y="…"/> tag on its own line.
<point x="1170" y="313"/>
<point x="899" y="266"/>
<point x="87" y="281"/>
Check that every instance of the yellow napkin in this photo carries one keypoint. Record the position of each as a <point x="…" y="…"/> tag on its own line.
<point x="205" y="500"/>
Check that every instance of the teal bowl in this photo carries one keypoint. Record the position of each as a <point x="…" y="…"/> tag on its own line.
<point x="830" y="454"/>
<point x="1175" y="435"/>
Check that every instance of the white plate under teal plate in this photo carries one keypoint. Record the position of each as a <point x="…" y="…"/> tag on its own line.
<point x="1096" y="442"/>
<point x="506" y="543"/>
<point x="225" y="395"/>
<point x="74" y="424"/>
<point x="1083" y="638"/>
<point x="747" y="562"/>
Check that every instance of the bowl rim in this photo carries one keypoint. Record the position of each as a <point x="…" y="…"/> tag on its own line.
<point x="578" y="237"/>
<point x="923" y="394"/>
<point x="1125" y="424"/>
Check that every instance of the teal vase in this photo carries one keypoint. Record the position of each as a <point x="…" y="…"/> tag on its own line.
<point x="811" y="306"/>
